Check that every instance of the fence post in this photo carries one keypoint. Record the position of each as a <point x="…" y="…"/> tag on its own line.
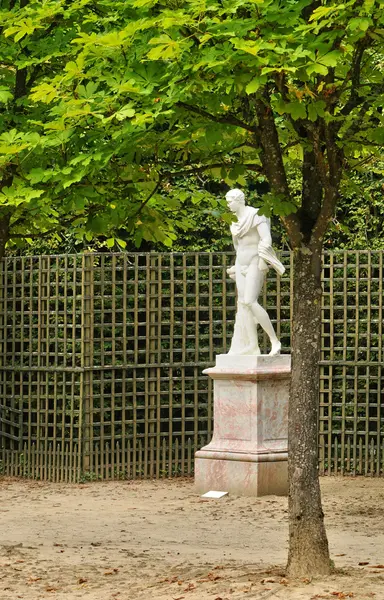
<point x="3" y="339"/>
<point x="43" y="350"/>
<point x="10" y="401"/>
<point x="87" y="338"/>
<point x="153" y="274"/>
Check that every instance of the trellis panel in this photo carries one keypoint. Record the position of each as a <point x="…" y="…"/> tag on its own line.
<point x="351" y="377"/>
<point x="101" y="360"/>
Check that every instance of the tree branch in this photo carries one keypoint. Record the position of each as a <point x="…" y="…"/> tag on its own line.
<point x="273" y="165"/>
<point x="327" y="212"/>
<point x="33" y="76"/>
<point x="251" y="167"/>
<point x="158" y="184"/>
<point x="334" y="154"/>
<point x="353" y="75"/>
<point x="308" y="10"/>
<point x="33" y="236"/>
<point x="331" y="181"/>
<point x="365" y="160"/>
<point x="355" y="126"/>
<point x="311" y="194"/>
<point x="320" y="159"/>
<point x="226" y="120"/>
<point x="20" y="83"/>
<point x="63" y="224"/>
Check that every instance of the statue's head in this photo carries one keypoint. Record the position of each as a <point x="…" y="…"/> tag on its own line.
<point x="234" y="198"/>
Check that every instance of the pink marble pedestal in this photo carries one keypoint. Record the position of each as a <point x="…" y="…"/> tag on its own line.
<point x="248" y="453"/>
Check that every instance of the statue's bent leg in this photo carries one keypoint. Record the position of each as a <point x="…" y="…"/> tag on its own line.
<point x="253" y="286"/>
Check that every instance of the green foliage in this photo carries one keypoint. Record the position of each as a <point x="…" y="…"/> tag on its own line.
<point x="89" y="476"/>
<point x="107" y="107"/>
<point x="359" y="220"/>
<point x="77" y="161"/>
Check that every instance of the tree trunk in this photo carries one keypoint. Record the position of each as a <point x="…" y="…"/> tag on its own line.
<point x="4" y="233"/>
<point x="308" y="545"/>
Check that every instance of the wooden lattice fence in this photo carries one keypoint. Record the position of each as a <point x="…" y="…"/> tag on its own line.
<point x="102" y="355"/>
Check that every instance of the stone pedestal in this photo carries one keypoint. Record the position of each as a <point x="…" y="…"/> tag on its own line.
<point x="248" y="453"/>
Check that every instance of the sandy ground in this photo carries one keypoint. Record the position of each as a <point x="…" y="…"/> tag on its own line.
<point x="158" y="540"/>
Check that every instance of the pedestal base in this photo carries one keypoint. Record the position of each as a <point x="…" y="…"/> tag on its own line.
<point x="241" y="476"/>
<point x="248" y="454"/>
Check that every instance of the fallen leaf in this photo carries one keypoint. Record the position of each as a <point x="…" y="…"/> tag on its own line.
<point x="50" y="588"/>
<point x="190" y="587"/>
<point x="82" y="580"/>
<point x="209" y="577"/>
<point x="173" y="579"/>
<point x="362" y="564"/>
<point x="169" y="579"/>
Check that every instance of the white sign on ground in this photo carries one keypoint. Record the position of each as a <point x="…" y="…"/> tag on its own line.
<point x="213" y="494"/>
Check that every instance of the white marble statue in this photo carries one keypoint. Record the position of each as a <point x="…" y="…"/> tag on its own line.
<point x="252" y="240"/>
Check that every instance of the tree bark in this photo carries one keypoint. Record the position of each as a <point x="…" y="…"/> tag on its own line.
<point x="4" y="233"/>
<point x="308" y="545"/>
<point x="312" y="195"/>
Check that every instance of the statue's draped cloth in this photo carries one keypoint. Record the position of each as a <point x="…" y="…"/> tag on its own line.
<point x="251" y="219"/>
